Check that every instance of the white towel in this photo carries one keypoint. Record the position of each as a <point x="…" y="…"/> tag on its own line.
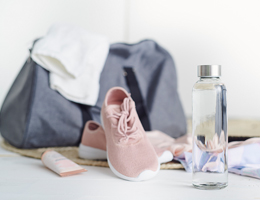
<point x="75" y="59"/>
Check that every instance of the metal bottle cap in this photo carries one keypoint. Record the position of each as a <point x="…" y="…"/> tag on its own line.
<point x="209" y="70"/>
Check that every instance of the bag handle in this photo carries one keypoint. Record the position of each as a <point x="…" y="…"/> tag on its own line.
<point x="136" y="95"/>
<point x="30" y="50"/>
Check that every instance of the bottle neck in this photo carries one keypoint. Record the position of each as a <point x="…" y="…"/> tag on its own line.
<point x="209" y="78"/>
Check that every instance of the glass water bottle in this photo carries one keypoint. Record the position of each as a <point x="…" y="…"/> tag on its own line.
<point x="209" y="129"/>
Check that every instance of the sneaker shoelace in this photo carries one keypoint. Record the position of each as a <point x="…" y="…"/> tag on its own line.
<point x="124" y="117"/>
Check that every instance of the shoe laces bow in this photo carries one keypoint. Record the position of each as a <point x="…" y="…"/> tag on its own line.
<point x="124" y="130"/>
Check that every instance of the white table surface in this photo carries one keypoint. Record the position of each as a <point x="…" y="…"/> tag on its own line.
<point x="26" y="178"/>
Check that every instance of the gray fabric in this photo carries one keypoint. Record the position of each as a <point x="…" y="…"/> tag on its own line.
<point x="33" y="115"/>
<point x="16" y="106"/>
<point x="156" y="74"/>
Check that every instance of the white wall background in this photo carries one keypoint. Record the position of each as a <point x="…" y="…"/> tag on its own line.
<point x="195" y="32"/>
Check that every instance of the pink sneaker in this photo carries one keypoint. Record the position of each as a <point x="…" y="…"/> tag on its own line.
<point x="93" y="144"/>
<point x="130" y="154"/>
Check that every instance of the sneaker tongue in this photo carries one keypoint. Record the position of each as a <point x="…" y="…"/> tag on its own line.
<point x="113" y="109"/>
<point x="126" y="108"/>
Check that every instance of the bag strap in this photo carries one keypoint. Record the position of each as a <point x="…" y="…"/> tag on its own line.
<point x="136" y="95"/>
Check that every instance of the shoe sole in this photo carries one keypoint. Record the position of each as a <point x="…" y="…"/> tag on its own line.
<point x="91" y="153"/>
<point x="166" y="156"/>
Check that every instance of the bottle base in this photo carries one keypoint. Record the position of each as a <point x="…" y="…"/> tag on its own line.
<point x="210" y="186"/>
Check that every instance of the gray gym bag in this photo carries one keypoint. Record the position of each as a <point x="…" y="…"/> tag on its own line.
<point x="33" y="115"/>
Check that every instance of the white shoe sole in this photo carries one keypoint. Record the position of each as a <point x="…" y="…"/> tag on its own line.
<point x="91" y="153"/>
<point x="145" y="175"/>
<point x="167" y="156"/>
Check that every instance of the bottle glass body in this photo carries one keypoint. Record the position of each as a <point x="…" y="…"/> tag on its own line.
<point x="209" y="131"/>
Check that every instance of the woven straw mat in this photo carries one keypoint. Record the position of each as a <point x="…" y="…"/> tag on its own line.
<point x="72" y="154"/>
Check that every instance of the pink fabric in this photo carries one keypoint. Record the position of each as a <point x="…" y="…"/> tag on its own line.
<point x="93" y="136"/>
<point x="176" y="146"/>
<point x="184" y="144"/>
<point x="129" y="154"/>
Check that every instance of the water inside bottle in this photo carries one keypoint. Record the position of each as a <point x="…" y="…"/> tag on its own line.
<point x="209" y="138"/>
